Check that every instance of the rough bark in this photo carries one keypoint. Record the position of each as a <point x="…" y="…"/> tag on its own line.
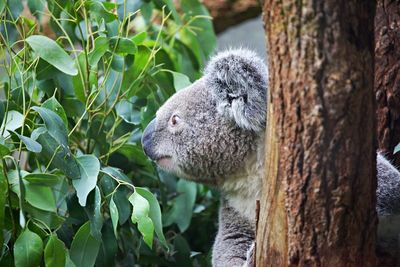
<point x="318" y="205"/>
<point x="227" y="13"/>
<point x="387" y="75"/>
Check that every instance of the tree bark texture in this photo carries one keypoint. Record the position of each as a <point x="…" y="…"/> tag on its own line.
<point x="387" y="75"/>
<point x="318" y="201"/>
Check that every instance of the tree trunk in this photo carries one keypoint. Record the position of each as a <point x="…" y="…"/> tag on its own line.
<point x="387" y="75"/>
<point x="318" y="204"/>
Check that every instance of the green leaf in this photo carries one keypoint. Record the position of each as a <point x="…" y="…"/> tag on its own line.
<point x="128" y="112"/>
<point x="205" y="37"/>
<point x="68" y="261"/>
<point x="140" y="215"/>
<point x="4" y="151"/>
<point x="54" y="125"/>
<point x="51" y="52"/>
<point x="2" y="5"/>
<point x="54" y="252"/>
<point x="43" y="179"/>
<point x="40" y="197"/>
<point x="184" y="204"/>
<point x="127" y="7"/>
<point x="93" y="210"/>
<point x="84" y="247"/>
<point x="130" y="78"/>
<point x="134" y="153"/>
<point x="181" y="81"/>
<point x="108" y="186"/>
<point x="139" y="37"/>
<point x="89" y="167"/>
<point x="16" y="8"/>
<point x="396" y="148"/>
<point x="3" y="197"/>
<point x="28" y="249"/>
<point x="154" y="213"/>
<point x="63" y="159"/>
<point x="182" y="251"/>
<point x="30" y="144"/>
<point x="14" y="121"/>
<point x="36" y="7"/>
<point x="56" y="107"/>
<point x="79" y="81"/>
<point x="98" y="11"/>
<point x="122" y="45"/>
<point x="114" y="215"/>
<point x="100" y="48"/>
<point x="108" y="249"/>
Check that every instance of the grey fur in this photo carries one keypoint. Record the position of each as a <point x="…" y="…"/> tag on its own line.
<point x="238" y="79"/>
<point x="388" y="191"/>
<point x="219" y="140"/>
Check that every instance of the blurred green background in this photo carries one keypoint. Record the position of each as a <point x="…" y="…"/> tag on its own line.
<point x="79" y="81"/>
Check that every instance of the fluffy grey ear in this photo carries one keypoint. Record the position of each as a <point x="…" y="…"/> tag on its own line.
<point x="239" y="79"/>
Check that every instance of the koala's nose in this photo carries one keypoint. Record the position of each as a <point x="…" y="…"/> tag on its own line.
<point x="147" y="139"/>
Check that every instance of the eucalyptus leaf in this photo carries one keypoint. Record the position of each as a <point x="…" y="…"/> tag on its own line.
<point x="128" y="112"/>
<point x="181" y="81"/>
<point x="2" y="5"/>
<point x="56" y="107"/>
<point x="36" y="7"/>
<point x="99" y="49"/>
<point x="51" y="52"/>
<point x="139" y="37"/>
<point x="3" y="197"/>
<point x="93" y="210"/>
<point x="54" y="252"/>
<point x="183" y="204"/>
<point x="114" y="215"/>
<point x="396" y="148"/>
<point x="98" y="11"/>
<point x="40" y="197"/>
<point x="108" y="186"/>
<point x="108" y="249"/>
<point x="54" y="124"/>
<point x="43" y="179"/>
<point x="89" y="167"/>
<point x="16" y="8"/>
<point x="80" y="81"/>
<point x="154" y="213"/>
<point x="60" y="156"/>
<point x="4" y="151"/>
<point x="14" y="120"/>
<point x="28" y="249"/>
<point x="84" y="247"/>
<point x="30" y="144"/>
<point x="122" y="45"/>
<point x="140" y="215"/>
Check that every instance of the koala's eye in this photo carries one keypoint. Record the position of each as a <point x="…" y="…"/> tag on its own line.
<point x="175" y="119"/>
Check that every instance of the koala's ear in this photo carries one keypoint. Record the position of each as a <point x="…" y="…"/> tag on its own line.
<point x="239" y="79"/>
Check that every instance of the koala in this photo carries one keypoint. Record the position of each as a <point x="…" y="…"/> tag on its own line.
<point x="213" y="132"/>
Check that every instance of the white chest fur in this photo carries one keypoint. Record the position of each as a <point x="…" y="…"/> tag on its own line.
<point x="244" y="188"/>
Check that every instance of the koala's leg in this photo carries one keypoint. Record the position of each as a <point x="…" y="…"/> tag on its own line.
<point x="235" y="237"/>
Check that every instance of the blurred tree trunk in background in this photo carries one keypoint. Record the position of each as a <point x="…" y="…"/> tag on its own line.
<point x="387" y="75"/>
<point x="227" y="13"/>
<point x="318" y="201"/>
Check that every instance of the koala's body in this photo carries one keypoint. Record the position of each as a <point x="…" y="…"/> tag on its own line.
<point x="213" y="132"/>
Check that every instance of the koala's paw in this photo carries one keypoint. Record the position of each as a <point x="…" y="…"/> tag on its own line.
<point x="249" y="257"/>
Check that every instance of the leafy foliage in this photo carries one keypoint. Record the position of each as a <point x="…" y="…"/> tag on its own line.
<point x="79" y="81"/>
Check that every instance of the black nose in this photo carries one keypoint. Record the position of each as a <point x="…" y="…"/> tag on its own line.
<point x="147" y="139"/>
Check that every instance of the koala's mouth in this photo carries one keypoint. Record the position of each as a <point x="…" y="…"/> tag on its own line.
<point x="164" y="161"/>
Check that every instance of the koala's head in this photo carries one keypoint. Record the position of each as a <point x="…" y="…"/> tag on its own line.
<point x="207" y="131"/>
